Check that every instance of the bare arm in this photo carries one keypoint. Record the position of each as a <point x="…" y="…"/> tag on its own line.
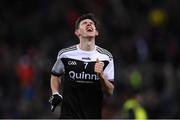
<point x="107" y="86"/>
<point x="55" y="82"/>
<point x="56" y="98"/>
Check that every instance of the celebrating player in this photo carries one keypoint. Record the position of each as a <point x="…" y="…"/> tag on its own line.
<point x="89" y="73"/>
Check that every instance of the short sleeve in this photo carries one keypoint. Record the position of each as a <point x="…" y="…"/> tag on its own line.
<point x="109" y="70"/>
<point x="58" y="68"/>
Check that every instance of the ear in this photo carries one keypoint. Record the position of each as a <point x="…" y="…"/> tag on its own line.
<point x="76" y="32"/>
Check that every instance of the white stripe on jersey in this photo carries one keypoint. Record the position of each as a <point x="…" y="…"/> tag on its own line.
<point x="74" y="52"/>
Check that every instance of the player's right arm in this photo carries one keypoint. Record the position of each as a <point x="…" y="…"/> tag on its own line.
<point x="55" y="83"/>
<point x="56" y="72"/>
<point x="56" y="98"/>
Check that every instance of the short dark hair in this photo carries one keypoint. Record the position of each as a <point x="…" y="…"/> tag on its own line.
<point x="90" y="16"/>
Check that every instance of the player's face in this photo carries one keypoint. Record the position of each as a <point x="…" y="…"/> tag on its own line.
<point x="87" y="28"/>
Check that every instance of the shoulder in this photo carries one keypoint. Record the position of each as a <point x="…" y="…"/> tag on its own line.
<point x="67" y="49"/>
<point x="104" y="51"/>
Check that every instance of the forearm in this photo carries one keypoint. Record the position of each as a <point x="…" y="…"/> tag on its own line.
<point x="107" y="86"/>
<point x="55" y="81"/>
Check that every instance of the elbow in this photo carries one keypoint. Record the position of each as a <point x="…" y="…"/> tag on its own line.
<point x="110" y="91"/>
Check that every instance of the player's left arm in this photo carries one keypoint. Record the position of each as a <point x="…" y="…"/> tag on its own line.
<point x="106" y="84"/>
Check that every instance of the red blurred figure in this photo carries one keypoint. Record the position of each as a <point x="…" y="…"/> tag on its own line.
<point x="25" y="71"/>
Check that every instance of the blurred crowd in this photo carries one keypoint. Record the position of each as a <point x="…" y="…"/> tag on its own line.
<point x="142" y="35"/>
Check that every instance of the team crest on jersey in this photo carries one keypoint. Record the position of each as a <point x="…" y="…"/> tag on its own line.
<point x="72" y="63"/>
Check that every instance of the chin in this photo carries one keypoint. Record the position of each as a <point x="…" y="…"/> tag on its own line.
<point x="91" y="35"/>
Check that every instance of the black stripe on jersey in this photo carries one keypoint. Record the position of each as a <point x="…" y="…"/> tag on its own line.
<point x="112" y="81"/>
<point x="55" y="74"/>
<point x="104" y="51"/>
<point x="74" y="47"/>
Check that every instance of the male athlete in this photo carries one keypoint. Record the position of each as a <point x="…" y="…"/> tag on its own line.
<point x="88" y="70"/>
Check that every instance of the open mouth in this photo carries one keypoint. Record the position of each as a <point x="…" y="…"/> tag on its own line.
<point x="89" y="29"/>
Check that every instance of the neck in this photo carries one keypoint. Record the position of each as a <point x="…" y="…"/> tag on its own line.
<point x="87" y="44"/>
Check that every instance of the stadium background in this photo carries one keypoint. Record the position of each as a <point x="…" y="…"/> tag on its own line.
<point x="142" y="35"/>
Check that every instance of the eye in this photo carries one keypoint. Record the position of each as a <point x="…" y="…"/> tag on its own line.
<point x="91" y="23"/>
<point x="84" y="23"/>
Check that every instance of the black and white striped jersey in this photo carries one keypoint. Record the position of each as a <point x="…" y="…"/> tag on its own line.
<point x="82" y="94"/>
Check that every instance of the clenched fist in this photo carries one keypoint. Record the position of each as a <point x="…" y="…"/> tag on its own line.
<point x="98" y="68"/>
